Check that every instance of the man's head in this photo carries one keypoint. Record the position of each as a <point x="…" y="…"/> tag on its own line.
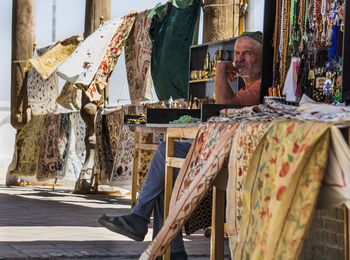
<point x="248" y="55"/>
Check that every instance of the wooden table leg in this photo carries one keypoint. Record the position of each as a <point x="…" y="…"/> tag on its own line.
<point x="136" y="168"/>
<point x="168" y="185"/>
<point x="217" y="225"/>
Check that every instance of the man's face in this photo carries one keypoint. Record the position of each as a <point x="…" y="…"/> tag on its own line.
<point x="247" y="57"/>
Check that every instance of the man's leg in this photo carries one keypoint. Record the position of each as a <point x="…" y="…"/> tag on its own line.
<point x="154" y="182"/>
<point x="135" y="224"/>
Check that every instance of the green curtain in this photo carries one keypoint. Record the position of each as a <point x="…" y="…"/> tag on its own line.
<point x="172" y="29"/>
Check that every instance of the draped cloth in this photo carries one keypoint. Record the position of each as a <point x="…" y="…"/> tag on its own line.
<point x="244" y="142"/>
<point x="42" y="92"/>
<point x="47" y="149"/>
<point x="47" y="63"/>
<point x="28" y="147"/>
<point x="110" y="58"/>
<point x="172" y="31"/>
<point x="280" y="190"/>
<point x="81" y="66"/>
<point x="212" y="146"/>
<point x="138" y="51"/>
<point x="107" y="128"/>
<point x="50" y="157"/>
<point x="279" y="185"/>
<point x="70" y="97"/>
<point x="92" y="63"/>
<point x="124" y="157"/>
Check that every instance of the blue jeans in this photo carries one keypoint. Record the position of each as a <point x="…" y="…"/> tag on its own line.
<point x="151" y="197"/>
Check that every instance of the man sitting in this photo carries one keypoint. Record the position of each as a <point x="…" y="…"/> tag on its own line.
<point x="247" y="64"/>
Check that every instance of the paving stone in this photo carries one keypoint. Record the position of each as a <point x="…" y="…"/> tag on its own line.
<point x="62" y="222"/>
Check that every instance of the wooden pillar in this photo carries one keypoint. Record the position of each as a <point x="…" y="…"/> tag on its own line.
<point x="94" y="11"/>
<point x="23" y="38"/>
<point x="219" y="20"/>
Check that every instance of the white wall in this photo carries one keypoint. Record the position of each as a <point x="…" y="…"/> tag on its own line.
<point x="255" y="16"/>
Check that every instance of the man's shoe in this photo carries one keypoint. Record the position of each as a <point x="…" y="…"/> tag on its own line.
<point x="122" y="226"/>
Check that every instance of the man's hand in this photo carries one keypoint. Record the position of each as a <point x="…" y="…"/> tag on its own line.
<point x="227" y="68"/>
<point x="225" y="73"/>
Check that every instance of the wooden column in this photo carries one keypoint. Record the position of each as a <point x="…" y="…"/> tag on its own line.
<point x="94" y="10"/>
<point x="219" y="20"/>
<point x="23" y="38"/>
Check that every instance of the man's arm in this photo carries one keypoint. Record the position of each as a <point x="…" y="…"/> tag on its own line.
<point x="225" y="72"/>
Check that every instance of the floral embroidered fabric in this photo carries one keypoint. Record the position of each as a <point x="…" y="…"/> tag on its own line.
<point x="296" y="151"/>
<point x="212" y="146"/>
<point x="110" y="58"/>
<point x="280" y="190"/>
<point x="82" y="65"/>
<point x="138" y="52"/>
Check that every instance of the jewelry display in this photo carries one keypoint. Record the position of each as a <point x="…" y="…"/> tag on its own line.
<point x="310" y="30"/>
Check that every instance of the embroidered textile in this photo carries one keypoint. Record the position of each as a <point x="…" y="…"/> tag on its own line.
<point x="50" y="157"/>
<point x="42" y="93"/>
<point x="44" y="147"/>
<point x="280" y="190"/>
<point x="75" y="156"/>
<point x="70" y="97"/>
<point x="28" y="144"/>
<point x="110" y="58"/>
<point x="107" y="129"/>
<point x="79" y="128"/>
<point x="138" y="51"/>
<point x="47" y="63"/>
<point x="64" y="144"/>
<point x="124" y="159"/>
<point x="82" y="65"/>
<point x="244" y="141"/>
<point x="323" y="112"/>
<point x="212" y="146"/>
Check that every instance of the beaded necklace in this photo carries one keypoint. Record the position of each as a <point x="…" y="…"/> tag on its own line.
<point x="301" y="22"/>
<point x="276" y="37"/>
<point x="284" y="52"/>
